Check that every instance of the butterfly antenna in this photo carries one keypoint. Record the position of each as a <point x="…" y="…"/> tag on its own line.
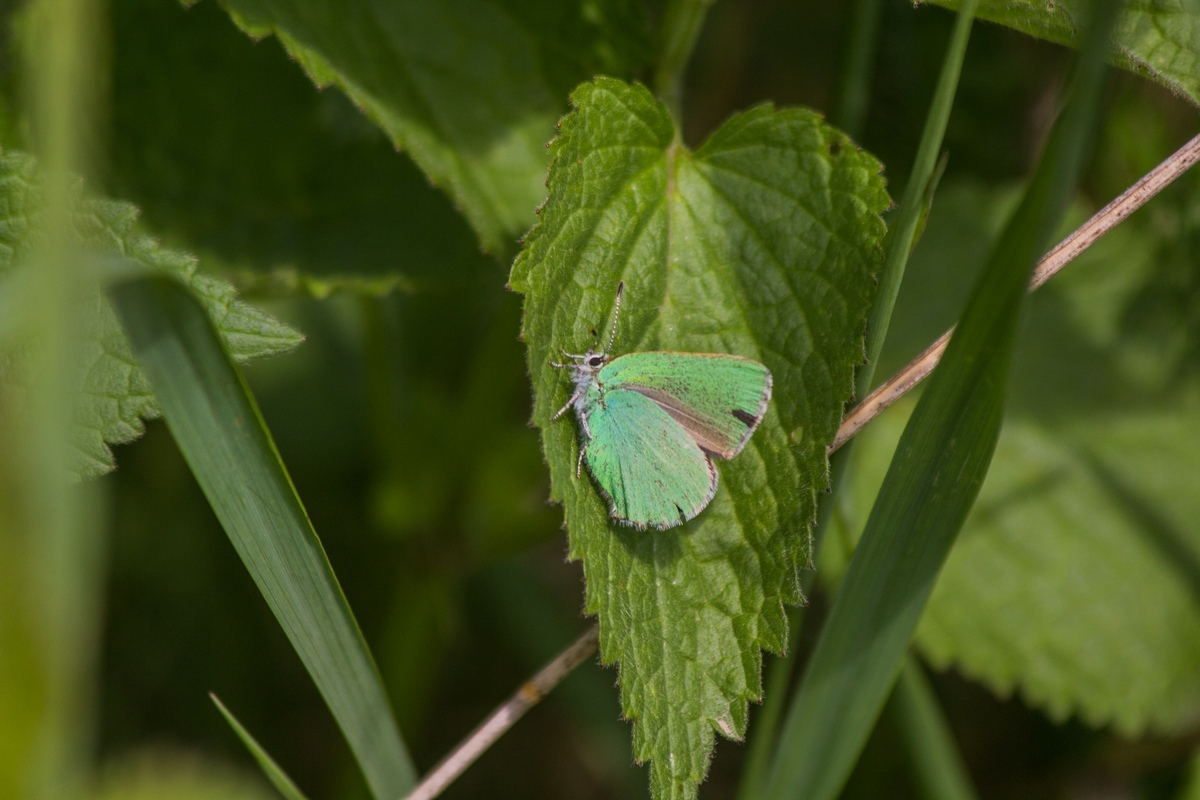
<point x="612" y="336"/>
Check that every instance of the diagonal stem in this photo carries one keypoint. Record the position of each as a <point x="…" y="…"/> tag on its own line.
<point x="504" y="717"/>
<point x="1067" y="250"/>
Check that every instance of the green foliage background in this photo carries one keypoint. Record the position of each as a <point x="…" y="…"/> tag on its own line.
<point x="380" y="216"/>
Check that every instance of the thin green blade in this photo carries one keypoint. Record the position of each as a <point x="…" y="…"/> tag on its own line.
<point x="932" y="482"/>
<point x="937" y="766"/>
<point x="222" y="436"/>
<point x="275" y="774"/>
<point x="898" y="245"/>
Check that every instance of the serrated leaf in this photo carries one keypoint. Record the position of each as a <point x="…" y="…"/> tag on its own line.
<point x="1075" y="580"/>
<point x="114" y="398"/>
<point x="470" y="88"/>
<point x="761" y="243"/>
<point x="1156" y="38"/>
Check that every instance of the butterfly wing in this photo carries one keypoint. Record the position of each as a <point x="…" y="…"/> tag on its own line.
<point x="650" y="469"/>
<point x="718" y="399"/>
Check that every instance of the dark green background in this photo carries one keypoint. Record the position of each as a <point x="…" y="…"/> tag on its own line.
<point x="403" y="417"/>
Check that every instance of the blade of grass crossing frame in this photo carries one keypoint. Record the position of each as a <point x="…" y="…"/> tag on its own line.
<point x="217" y="426"/>
<point x="913" y="210"/>
<point x="938" y="768"/>
<point x="278" y="778"/>
<point x="911" y="206"/>
<point x="933" y="479"/>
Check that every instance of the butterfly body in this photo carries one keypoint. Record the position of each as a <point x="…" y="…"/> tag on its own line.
<point x="652" y="423"/>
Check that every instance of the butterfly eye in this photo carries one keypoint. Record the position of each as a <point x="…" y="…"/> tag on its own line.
<point x="596" y="361"/>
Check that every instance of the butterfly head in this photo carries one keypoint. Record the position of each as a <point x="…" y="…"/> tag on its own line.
<point x="585" y="366"/>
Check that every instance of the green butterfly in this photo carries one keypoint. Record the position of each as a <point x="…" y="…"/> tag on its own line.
<point x="652" y="423"/>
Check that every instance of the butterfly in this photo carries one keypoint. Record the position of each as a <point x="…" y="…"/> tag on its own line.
<point x="653" y="422"/>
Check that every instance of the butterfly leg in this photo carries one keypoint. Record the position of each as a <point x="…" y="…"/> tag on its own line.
<point x="563" y="410"/>
<point x="579" y="463"/>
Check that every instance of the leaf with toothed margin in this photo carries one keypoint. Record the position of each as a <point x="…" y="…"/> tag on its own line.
<point x="470" y="88"/>
<point x="113" y="396"/>
<point x="761" y="243"/>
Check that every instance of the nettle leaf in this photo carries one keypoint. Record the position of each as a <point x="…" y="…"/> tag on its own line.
<point x="470" y="88"/>
<point x="114" y="398"/>
<point x="1076" y="579"/>
<point x="1156" y="38"/>
<point x="761" y="243"/>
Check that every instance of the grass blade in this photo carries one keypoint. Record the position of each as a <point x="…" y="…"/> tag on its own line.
<point x="909" y="219"/>
<point x="217" y="426"/>
<point x="278" y="778"/>
<point x="933" y="479"/>
<point x="936" y="763"/>
<point x="899" y="243"/>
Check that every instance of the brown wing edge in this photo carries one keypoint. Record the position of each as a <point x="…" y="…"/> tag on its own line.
<point x="751" y="422"/>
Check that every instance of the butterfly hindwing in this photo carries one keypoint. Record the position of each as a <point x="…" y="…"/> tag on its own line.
<point x="652" y="471"/>
<point x="718" y="399"/>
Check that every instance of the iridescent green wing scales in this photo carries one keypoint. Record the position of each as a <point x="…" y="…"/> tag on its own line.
<point x="718" y="399"/>
<point x="650" y="469"/>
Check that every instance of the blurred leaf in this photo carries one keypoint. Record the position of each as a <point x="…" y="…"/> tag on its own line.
<point x="221" y="434"/>
<point x="279" y="779"/>
<point x="260" y="172"/>
<point x="761" y="243"/>
<point x="158" y="774"/>
<point x="470" y="88"/>
<point x="114" y="395"/>
<point x="1092" y="599"/>
<point x="1159" y="39"/>
<point x="1076" y="580"/>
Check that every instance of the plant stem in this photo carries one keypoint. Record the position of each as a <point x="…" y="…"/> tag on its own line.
<point x="1066" y="251"/>
<point x="681" y="24"/>
<point x="504" y="717"/>
<point x="854" y="88"/>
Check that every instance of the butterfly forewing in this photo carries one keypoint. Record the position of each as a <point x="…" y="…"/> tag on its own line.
<point x="651" y="469"/>
<point x="718" y="399"/>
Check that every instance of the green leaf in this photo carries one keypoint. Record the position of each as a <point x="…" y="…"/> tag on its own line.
<point x="1159" y="39"/>
<point x="761" y="243"/>
<point x="259" y="172"/>
<point x="222" y="436"/>
<point x="1101" y="557"/>
<point x="278" y="778"/>
<point x="114" y="397"/>
<point x="933" y="479"/>
<point x="1083" y="540"/>
<point x="470" y="89"/>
